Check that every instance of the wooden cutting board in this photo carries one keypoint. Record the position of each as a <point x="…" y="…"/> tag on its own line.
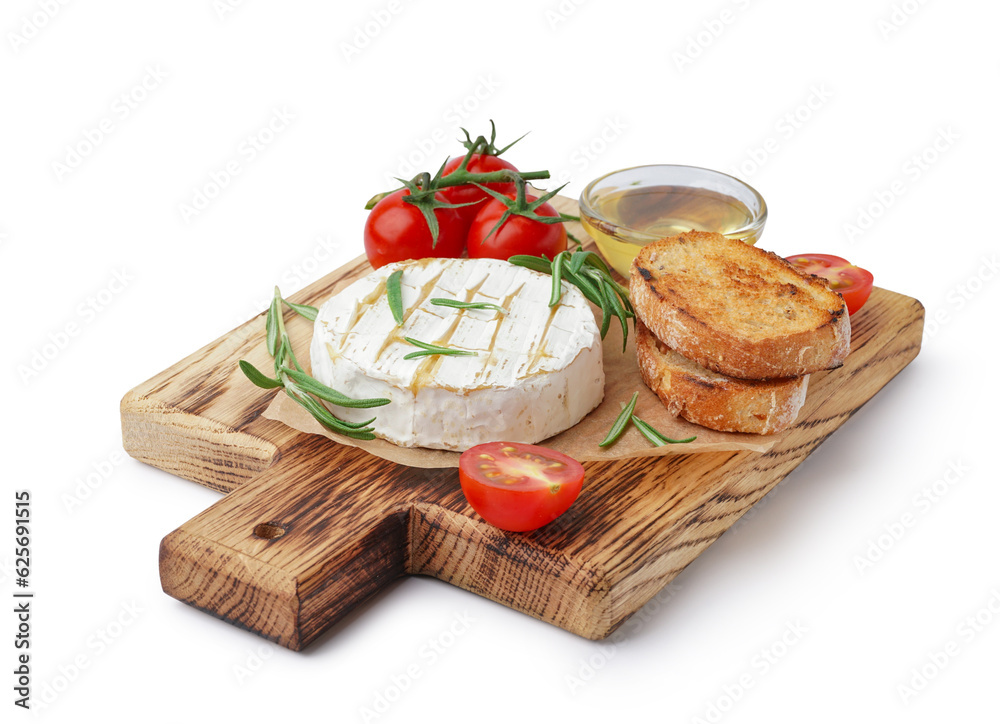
<point x="309" y="529"/>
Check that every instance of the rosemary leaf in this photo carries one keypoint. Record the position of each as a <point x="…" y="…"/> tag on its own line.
<point x="314" y="387"/>
<point x="576" y="263"/>
<point x="619" y="311"/>
<point x="291" y="353"/>
<point x="258" y="377"/>
<point x="271" y="324"/>
<point x="432" y="349"/>
<point x="618" y="427"/>
<point x="279" y="357"/>
<point x="326" y="418"/>
<point x="418" y="343"/>
<point x="303" y="310"/>
<point x="582" y="283"/>
<point x="441" y="302"/>
<point x="557" y="265"/>
<point x="606" y="309"/>
<point x="443" y="350"/>
<point x="320" y="412"/>
<point x="535" y="263"/>
<point x="654" y="436"/>
<point x="594" y="259"/>
<point x="394" y="291"/>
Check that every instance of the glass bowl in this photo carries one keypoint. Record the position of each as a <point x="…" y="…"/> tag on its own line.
<point x="625" y="210"/>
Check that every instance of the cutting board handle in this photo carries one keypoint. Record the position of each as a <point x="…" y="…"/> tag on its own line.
<point x="298" y="547"/>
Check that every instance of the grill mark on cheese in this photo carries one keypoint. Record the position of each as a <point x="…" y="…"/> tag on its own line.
<point x="427" y="371"/>
<point x="471" y="292"/>
<point x="425" y="292"/>
<point x="363" y="305"/>
<point x="539" y="352"/>
<point x="429" y="366"/>
<point x="509" y="298"/>
<point x="502" y="319"/>
<point x="396" y="334"/>
<point x="334" y="354"/>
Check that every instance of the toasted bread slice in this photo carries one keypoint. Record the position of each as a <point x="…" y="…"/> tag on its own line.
<point x="713" y="400"/>
<point x="737" y="309"/>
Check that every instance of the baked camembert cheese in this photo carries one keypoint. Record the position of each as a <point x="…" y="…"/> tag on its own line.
<point x="537" y="370"/>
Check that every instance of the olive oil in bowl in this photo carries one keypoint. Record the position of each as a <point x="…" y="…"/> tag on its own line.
<point x="628" y="209"/>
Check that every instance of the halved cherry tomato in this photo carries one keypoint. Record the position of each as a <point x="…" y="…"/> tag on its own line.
<point x="464" y="194"/>
<point x="853" y="282"/>
<point x="516" y="486"/>
<point x="396" y="230"/>
<point x="518" y="235"/>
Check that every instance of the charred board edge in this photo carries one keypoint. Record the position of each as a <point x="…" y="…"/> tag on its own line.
<point x="212" y="578"/>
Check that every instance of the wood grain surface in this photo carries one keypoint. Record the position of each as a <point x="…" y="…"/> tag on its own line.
<point x="310" y="529"/>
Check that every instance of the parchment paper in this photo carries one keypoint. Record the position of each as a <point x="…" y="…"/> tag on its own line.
<point x="581" y="440"/>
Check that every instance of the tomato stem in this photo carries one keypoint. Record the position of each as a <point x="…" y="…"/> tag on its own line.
<point x="486" y="148"/>
<point x="520" y="206"/>
<point x="423" y="187"/>
<point x="461" y="177"/>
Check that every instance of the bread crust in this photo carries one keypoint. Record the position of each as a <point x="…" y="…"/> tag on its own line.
<point x="714" y="400"/>
<point x="736" y="309"/>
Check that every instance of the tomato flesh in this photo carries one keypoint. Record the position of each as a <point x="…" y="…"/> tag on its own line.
<point x="519" y="487"/>
<point x="853" y="283"/>
<point x="517" y="235"/>
<point x="396" y="230"/>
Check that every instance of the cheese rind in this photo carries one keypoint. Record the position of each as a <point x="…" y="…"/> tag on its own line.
<point x="538" y="370"/>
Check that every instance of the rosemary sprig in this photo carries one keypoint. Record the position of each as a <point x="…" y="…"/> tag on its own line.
<point x="289" y="375"/>
<point x="441" y="302"/>
<point x="318" y="389"/>
<point x="651" y="434"/>
<point x="432" y="349"/>
<point x="620" y="423"/>
<point x="394" y="292"/>
<point x="588" y="272"/>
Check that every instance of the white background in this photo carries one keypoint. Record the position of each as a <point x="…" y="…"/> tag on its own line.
<point x="877" y="115"/>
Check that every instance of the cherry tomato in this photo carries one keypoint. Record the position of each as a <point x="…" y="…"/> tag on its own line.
<point x="516" y="486"/>
<point x="464" y="194"/>
<point x="396" y="230"/>
<point x="518" y="235"/>
<point x="852" y="282"/>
